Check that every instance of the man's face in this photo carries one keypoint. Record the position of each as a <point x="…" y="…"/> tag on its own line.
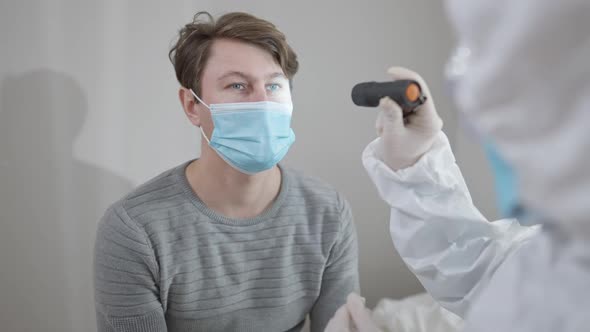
<point x="239" y="72"/>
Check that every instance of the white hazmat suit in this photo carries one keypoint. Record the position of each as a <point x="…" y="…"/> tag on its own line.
<point x="523" y="84"/>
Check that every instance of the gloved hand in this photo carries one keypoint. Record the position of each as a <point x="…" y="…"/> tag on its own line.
<point x="404" y="142"/>
<point x="352" y="316"/>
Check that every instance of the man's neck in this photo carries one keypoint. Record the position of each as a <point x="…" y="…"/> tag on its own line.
<point x="229" y="192"/>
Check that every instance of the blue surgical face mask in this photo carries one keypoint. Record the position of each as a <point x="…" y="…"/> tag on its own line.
<point x="251" y="137"/>
<point x="507" y="189"/>
<point x="505" y="181"/>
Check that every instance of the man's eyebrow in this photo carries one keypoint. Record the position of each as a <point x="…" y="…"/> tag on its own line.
<point x="248" y="77"/>
<point x="277" y="75"/>
<point x="234" y="73"/>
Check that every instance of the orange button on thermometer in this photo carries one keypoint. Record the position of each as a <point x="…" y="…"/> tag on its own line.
<point x="406" y="93"/>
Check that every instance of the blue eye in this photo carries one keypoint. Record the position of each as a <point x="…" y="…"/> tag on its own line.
<point x="274" y="87"/>
<point x="237" y="86"/>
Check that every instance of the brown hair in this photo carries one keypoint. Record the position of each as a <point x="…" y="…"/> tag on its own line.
<point x="190" y="53"/>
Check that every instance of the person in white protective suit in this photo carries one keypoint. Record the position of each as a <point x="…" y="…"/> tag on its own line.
<point x="521" y="81"/>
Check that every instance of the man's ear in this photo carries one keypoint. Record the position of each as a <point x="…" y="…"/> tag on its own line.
<point x="190" y="106"/>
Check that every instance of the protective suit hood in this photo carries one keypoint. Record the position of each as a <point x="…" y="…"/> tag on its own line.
<point x="526" y="86"/>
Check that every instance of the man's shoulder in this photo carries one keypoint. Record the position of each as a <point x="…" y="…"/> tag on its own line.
<point x="157" y="193"/>
<point x="314" y="190"/>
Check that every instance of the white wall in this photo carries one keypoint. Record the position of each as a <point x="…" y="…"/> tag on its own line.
<point x="88" y="110"/>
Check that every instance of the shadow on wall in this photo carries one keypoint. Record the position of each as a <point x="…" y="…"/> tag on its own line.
<point x="49" y="205"/>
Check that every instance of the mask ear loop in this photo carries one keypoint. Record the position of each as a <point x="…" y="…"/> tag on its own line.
<point x="200" y="127"/>
<point x="204" y="136"/>
<point x="199" y="99"/>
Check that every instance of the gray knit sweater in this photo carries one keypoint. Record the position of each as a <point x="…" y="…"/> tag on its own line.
<point x="165" y="262"/>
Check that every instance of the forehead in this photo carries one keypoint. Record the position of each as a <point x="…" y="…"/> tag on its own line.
<point x="236" y="56"/>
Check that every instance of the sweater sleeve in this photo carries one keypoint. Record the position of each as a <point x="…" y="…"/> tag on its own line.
<point x="125" y="277"/>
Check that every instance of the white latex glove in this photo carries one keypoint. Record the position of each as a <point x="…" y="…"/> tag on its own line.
<point x="352" y="316"/>
<point x="404" y="142"/>
<point x="340" y="322"/>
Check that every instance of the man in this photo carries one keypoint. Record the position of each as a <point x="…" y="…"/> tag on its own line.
<point x="229" y="241"/>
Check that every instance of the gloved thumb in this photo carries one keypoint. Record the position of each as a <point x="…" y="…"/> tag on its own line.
<point x="427" y="112"/>
<point x="390" y="116"/>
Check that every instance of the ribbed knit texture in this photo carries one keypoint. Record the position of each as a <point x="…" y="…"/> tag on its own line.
<point x="165" y="262"/>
